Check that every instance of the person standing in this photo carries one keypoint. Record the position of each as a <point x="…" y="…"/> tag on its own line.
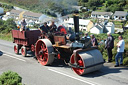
<point x="44" y="28"/>
<point x="23" y="25"/>
<point x="53" y="27"/>
<point x="120" y="50"/>
<point x="86" y="36"/>
<point x="94" y="41"/>
<point x="109" y="45"/>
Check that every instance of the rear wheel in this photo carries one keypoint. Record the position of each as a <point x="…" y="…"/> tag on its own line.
<point x="44" y="51"/>
<point x="23" y="51"/>
<point x="16" y="49"/>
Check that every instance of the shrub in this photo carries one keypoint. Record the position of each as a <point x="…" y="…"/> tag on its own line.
<point x="125" y="61"/>
<point x="10" y="78"/>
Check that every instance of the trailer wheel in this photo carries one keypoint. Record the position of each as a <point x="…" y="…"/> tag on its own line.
<point x="16" y="49"/>
<point x="44" y="51"/>
<point x="23" y="51"/>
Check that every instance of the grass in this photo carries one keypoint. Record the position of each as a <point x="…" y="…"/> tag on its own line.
<point x="7" y="37"/>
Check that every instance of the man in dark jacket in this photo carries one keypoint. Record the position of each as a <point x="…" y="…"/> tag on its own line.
<point x="44" y="28"/>
<point x="109" y="45"/>
<point x="53" y="27"/>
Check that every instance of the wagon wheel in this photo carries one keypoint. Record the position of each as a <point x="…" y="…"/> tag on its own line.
<point x="16" y="49"/>
<point x="23" y="51"/>
<point x="80" y="63"/>
<point x="43" y="51"/>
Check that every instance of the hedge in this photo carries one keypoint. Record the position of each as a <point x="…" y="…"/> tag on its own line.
<point x="10" y="78"/>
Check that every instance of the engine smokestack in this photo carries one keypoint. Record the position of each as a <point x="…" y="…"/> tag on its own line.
<point x="76" y="24"/>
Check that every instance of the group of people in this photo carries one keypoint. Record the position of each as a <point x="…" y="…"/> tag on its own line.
<point x="45" y="28"/>
<point x="109" y="45"/>
<point x="93" y="40"/>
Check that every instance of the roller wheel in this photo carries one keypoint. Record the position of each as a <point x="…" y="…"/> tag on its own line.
<point x="80" y="64"/>
<point x="16" y="49"/>
<point x="23" y="51"/>
<point x="88" y="61"/>
<point x="43" y="51"/>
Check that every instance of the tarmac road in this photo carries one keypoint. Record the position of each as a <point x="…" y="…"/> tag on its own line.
<point x="33" y="73"/>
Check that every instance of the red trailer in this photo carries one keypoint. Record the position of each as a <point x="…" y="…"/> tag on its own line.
<point x="25" y="40"/>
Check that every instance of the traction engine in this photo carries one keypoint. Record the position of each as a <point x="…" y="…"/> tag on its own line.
<point x="76" y="52"/>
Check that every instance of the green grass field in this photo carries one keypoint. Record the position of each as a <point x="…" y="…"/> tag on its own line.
<point x="7" y="37"/>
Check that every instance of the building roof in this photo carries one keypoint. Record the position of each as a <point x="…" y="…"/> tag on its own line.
<point x="99" y="27"/>
<point x="27" y="13"/>
<point x="120" y="13"/>
<point x="102" y="13"/>
<point x="15" y="11"/>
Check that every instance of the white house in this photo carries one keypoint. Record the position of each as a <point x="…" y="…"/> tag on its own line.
<point x="110" y="27"/>
<point x="103" y="28"/>
<point x="84" y="25"/>
<point x="97" y="29"/>
<point x="101" y="15"/>
<point x="120" y="15"/>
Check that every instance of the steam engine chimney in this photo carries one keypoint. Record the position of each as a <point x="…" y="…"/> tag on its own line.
<point x="76" y="24"/>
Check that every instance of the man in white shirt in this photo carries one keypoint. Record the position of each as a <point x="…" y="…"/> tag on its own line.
<point x="120" y="50"/>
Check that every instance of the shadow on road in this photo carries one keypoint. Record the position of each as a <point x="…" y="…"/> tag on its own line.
<point x="104" y="71"/>
<point x="1" y="53"/>
<point x="59" y="63"/>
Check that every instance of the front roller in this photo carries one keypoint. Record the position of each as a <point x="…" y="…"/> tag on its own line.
<point x="43" y="51"/>
<point x="88" y="61"/>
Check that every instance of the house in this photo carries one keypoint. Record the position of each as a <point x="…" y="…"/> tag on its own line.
<point x="6" y="16"/>
<point x="97" y="29"/>
<point x="84" y="25"/>
<point x="101" y="15"/>
<point x="103" y="28"/>
<point x="110" y="27"/>
<point x="31" y="16"/>
<point x="120" y="15"/>
<point x="15" y="14"/>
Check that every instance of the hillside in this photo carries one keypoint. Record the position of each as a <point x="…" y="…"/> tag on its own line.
<point x="105" y="5"/>
<point x="49" y="7"/>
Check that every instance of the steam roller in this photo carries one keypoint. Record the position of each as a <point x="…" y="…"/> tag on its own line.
<point x="76" y="52"/>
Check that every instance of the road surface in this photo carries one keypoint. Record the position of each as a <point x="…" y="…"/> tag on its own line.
<point x="33" y="73"/>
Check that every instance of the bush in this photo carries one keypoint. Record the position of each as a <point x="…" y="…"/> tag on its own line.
<point x="10" y="78"/>
<point x="125" y="61"/>
<point x="7" y="26"/>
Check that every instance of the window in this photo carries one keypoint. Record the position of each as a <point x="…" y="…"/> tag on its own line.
<point x="99" y="15"/>
<point x="105" y="16"/>
<point x="93" y="15"/>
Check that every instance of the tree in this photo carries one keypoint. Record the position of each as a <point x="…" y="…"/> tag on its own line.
<point x="7" y="26"/>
